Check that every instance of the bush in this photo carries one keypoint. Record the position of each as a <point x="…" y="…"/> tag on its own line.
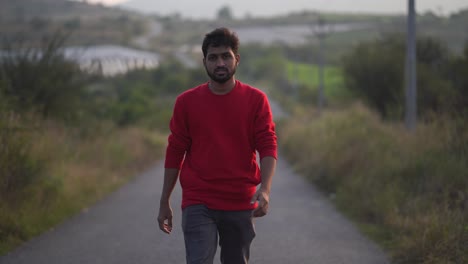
<point x="459" y="77"/>
<point x="375" y="72"/>
<point x="18" y="168"/>
<point x="57" y="173"/>
<point x="41" y="79"/>
<point x="409" y="191"/>
<point x="143" y="97"/>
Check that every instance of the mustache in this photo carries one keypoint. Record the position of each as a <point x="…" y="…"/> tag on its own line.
<point x="221" y="69"/>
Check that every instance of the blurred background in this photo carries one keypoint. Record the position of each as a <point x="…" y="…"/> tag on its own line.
<point x="87" y="90"/>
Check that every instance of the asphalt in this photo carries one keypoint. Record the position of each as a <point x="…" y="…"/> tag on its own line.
<point x="301" y="227"/>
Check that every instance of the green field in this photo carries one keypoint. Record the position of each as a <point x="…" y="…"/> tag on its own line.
<point x="307" y="75"/>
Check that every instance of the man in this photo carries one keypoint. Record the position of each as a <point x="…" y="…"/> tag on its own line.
<point x="216" y="129"/>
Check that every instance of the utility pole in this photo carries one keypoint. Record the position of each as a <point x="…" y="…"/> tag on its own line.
<point x="321" y="34"/>
<point x="411" y="89"/>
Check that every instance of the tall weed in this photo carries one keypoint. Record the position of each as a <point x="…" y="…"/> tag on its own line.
<point x="70" y="173"/>
<point x="407" y="190"/>
<point x="19" y="169"/>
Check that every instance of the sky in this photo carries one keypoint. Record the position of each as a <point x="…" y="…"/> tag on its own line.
<point x="208" y="8"/>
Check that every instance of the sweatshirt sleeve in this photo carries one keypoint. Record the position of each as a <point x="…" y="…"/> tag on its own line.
<point x="265" y="135"/>
<point x="179" y="140"/>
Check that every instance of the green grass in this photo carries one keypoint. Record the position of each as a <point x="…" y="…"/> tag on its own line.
<point x="307" y="75"/>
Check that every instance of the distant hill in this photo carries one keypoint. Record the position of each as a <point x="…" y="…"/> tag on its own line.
<point x="27" y="22"/>
<point x="54" y="9"/>
<point x="207" y="9"/>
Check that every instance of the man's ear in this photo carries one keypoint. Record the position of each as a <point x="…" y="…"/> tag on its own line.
<point x="237" y="59"/>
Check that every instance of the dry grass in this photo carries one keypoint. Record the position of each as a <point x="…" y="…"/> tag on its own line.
<point x="78" y="171"/>
<point x="407" y="190"/>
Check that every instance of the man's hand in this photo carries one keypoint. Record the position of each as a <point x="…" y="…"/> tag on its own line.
<point x="165" y="218"/>
<point x="165" y="210"/>
<point x="263" y="198"/>
<point x="267" y="168"/>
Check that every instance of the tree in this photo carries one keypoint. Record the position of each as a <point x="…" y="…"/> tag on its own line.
<point x="41" y="79"/>
<point x="458" y="75"/>
<point x="374" y="71"/>
<point x="225" y="13"/>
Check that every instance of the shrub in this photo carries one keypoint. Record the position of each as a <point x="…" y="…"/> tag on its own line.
<point x="375" y="71"/>
<point x="41" y="79"/>
<point x="18" y="168"/>
<point x="409" y="191"/>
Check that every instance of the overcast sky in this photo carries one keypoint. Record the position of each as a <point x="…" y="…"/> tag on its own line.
<point x="208" y="8"/>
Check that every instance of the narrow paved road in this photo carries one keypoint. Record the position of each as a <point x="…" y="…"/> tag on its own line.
<point x="302" y="227"/>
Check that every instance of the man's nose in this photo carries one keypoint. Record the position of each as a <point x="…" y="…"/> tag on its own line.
<point x="220" y="62"/>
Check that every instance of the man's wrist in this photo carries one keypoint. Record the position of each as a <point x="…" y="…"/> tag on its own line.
<point x="164" y="201"/>
<point x="265" y="189"/>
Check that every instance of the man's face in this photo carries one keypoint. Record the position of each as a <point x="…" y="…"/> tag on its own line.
<point x="220" y="63"/>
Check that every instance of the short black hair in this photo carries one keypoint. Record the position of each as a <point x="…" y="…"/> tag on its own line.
<point x="221" y="37"/>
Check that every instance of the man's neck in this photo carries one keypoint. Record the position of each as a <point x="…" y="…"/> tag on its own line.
<point x="222" y="88"/>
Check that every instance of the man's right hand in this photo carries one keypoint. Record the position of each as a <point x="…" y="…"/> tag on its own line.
<point x="165" y="218"/>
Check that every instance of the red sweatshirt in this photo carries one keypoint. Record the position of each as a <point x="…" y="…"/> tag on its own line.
<point x="219" y="136"/>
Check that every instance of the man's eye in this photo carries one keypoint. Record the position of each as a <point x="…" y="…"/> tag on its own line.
<point x="226" y="56"/>
<point x="212" y="58"/>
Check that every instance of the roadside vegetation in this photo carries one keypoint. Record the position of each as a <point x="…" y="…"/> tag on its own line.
<point x="407" y="190"/>
<point x="68" y="138"/>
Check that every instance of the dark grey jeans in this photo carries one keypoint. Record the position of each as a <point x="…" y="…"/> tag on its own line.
<point x="201" y="227"/>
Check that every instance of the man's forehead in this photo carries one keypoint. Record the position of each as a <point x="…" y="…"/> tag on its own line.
<point x="219" y="50"/>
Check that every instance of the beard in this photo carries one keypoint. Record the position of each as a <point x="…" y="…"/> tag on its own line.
<point x="223" y="78"/>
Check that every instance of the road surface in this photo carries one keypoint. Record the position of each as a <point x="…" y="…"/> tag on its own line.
<point x="302" y="227"/>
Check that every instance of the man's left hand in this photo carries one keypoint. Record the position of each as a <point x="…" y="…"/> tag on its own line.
<point x="263" y="198"/>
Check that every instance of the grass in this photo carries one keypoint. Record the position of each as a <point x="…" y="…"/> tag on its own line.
<point x="306" y="77"/>
<point x="408" y="191"/>
<point x="77" y="170"/>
